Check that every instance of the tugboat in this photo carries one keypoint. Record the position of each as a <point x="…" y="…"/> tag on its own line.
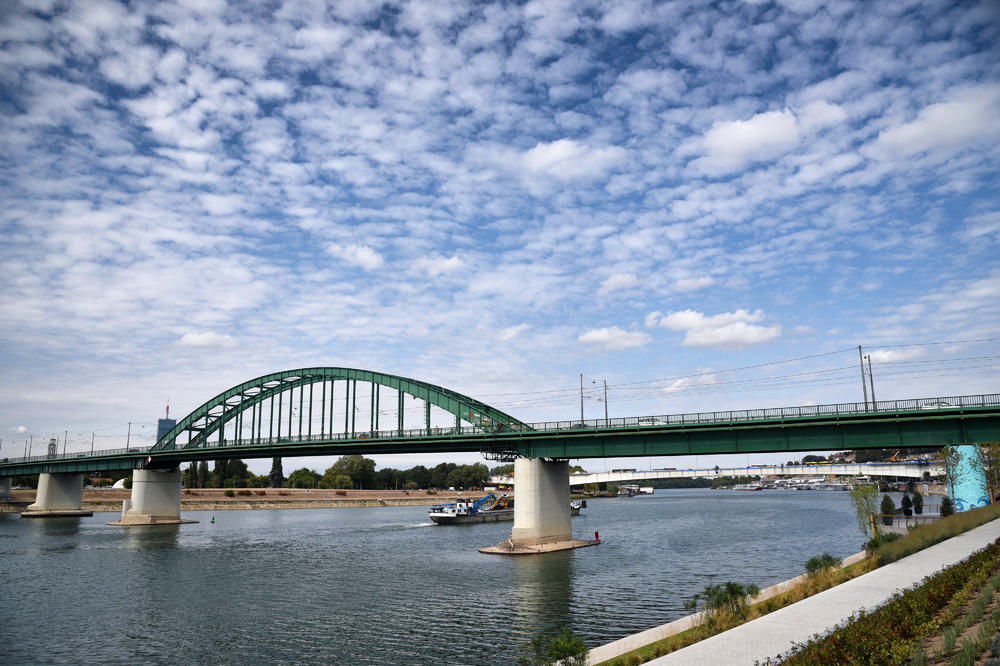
<point x="488" y="509"/>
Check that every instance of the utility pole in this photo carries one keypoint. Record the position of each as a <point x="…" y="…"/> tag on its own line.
<point x="65" y="439"/>
<point x="871" y="380"/>
<point x="128" y="437"/>
<point x="864" y="388"/>
<point x="91" y="443"/>
<point x="581" y="398"/>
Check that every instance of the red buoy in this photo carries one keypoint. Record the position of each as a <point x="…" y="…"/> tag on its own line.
<point x="597" y="537"/>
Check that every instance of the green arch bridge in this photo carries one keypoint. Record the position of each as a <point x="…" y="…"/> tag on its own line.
<point x="291" y="413"/>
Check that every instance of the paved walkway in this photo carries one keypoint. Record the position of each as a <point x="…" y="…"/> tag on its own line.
<point x="776" y="632"/>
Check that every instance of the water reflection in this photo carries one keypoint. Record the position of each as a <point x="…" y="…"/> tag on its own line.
<point x="543" y="590"/>
<point x="143" y="537"/>
<point x="51" y="527"/>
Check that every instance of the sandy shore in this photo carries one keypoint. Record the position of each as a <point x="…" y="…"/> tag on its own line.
<point x="215" y="499"/>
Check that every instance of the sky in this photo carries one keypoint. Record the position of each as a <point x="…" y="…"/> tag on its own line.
<point x="708" y="205"/>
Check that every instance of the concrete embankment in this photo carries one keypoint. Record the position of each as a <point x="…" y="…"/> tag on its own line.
<point x="777" y="632"/>
<point x="644" y="638"/>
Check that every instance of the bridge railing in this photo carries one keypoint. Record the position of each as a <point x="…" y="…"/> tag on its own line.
<point x="79" y="454"/>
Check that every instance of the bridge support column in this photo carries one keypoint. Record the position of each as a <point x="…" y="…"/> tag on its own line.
<point x="541" y="510"/>
<point x="58" y="496"/>
<point x="971" y="491"/>
<point x="6" y="484"/>
<point x="156" y="499"/>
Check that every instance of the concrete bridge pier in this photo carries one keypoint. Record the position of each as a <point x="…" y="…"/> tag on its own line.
<point x="6" y="485"/>
<point x="542" y="522"/>
<point x="156" y="499"/>
<point x="58" y="496"/>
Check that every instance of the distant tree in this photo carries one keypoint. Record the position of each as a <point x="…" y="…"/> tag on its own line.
<point x="888" y="509"/>
<point x="303" y="478"/>
<point x="951" y="460"/>
<point x="577" y="469"/>
<point x="342" y="481"/>
<point x="439" y="475"/>
<point x="360" y="469"/>
<point x="863" y="498"/>
<point x="502" y="470"/>
<point x="987" y="461"/>
<point x="811" y="458"/>
<point x="277" y="476"/>
<point x="410" y="485"/>
<point x="203" y="474"/>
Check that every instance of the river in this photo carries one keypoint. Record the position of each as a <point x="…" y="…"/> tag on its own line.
<point x="384" y="585"/>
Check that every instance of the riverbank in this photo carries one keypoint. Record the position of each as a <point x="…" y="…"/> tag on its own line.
<point x="215" y="499"/>
<point x="685" y="635"/>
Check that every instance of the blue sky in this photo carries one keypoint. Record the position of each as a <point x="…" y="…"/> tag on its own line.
<point x="494" y="197"/>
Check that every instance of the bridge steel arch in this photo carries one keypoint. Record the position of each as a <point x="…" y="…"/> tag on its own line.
<point x="212" y="417"/>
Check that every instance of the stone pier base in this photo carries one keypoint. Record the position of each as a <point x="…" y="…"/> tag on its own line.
<point x="542" y="522"/>
<point x="156" y="499"/>
<point x="58" y="496"/>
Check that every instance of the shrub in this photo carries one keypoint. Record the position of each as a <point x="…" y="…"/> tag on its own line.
<point x="918" y="502"/>
<point x="876" y="543"/>
<point x="947" y="507"/>
<point x="283" y="492"/>
<point x="230" y="492"/>
<point x="565" y="647"/>
<point x="729" y="597"/>
<point x="243" y="492"/>
<point x="825" y="561"/>
<point x="341" y="492"/>
<point x="907" y="504"/>
<point x="432" y="492"/>
<point x="261" y="493"/>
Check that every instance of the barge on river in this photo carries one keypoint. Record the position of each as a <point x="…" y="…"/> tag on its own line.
<point x="488" y="509"/>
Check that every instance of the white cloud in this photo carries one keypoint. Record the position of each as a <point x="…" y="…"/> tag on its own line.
<point x="19" y="429"/>
<point x="693" y="284"/>
<point x="358" y="255"/>
<point x="891" y="355"/>
<point x="207" y="340"/>
<point x="819" y="114"/>
<point x="726" y="330"/>
<point x="729" y="146"/>
<point x="705" y="378"/>
<point x="435" y="266"/>
<point x="613" y="338"/>
<point x="511" y="332"/>
<point x="618" y="281"/>
<point x="566" y="159"/>
<point x="970" y="119"/>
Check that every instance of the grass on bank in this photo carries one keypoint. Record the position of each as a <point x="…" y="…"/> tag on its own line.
<point x="917" y="539"/>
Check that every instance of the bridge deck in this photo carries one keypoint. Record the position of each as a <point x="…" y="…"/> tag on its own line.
<point x="897" y="423"/>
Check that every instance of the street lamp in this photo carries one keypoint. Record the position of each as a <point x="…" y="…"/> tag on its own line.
<point x="605" y="381"/>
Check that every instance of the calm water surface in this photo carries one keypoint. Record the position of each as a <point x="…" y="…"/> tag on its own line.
<point x="384" y="585"/>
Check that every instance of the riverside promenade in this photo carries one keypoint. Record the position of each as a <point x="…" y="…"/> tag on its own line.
<point x="776" y="633"/>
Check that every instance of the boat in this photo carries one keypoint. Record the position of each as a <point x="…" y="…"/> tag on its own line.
<point x="748" y="486"/>
<point x="488" y="509"/>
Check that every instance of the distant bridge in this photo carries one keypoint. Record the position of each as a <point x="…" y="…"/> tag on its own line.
<point x="912" y="470"/>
